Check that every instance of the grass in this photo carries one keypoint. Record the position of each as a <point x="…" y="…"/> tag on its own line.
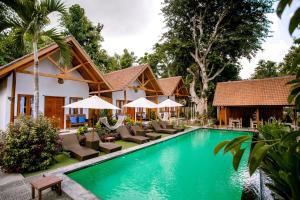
<point x="125" y="145"/>
<point x="62" y="160"/>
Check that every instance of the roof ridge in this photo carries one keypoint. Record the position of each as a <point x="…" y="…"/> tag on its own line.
<point x="170" y="77"/>
<point x="262" y="79"/>
<point x="142" y="65"/>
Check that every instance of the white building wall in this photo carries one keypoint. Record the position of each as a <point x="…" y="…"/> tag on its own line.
<point x="48" y="86"/>
<point x="131" y="95"/>
<point x="162" y="98"/>
<point x="4" y="104"/>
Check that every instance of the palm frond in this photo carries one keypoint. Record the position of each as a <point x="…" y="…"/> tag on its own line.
<point x="65" y="54"/>
<point x="49" y="6"/>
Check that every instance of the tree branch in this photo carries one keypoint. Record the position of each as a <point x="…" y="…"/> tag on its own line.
<point x="217" y="73"/>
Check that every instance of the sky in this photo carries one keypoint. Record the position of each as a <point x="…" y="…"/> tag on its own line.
<point x="138" y="24"/>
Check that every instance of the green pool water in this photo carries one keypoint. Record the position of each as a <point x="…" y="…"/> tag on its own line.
<point x="181" y="168"/>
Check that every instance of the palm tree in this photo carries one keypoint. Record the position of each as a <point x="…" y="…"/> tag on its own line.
<point x="29" y="19"/>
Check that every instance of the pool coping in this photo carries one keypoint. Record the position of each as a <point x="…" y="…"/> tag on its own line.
<point x="78" y="192"/>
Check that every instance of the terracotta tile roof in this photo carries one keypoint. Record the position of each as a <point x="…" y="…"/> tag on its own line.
<point x="168" y="85"/>
<point x="122" y="78"/>
<point x="269" y="91"/>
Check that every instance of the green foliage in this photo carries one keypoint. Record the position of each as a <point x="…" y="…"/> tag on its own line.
<point x="128" y="121"/>
<point x="30" y="145"/>
<point x="101" y="130"/>
<point x="265" y="69"/>
<point x="87" y="34"/>
<point x="127" y="59"/>
<point x="276" y="152"/>
<point x="28" y="20"/>
<point x="82" y="130"/>
<point x="289" y="64"/>
<point x="152" y="115"/>
<point x="295" y="18"/>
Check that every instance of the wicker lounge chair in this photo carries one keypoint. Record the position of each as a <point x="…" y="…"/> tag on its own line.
<point x="70" y="143"/>
<point x="166" y="125"/>
<point x="137" y="130"/>
<point x="126" y="136"/>
<point x="159" y="129"/>
<point x="107" y="147"/>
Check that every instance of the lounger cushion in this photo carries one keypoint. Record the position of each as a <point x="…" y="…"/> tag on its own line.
<point x="73" y="119"/>
<point x="109" y="147"/>
<point x="81" y="119"/>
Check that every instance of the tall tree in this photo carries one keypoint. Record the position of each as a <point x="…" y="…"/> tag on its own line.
<point x="214" y="35"/>
<point x="288" y="66"/>
<point x="28" y="18"/>
<point x="265" y="69"/>
<point x="127" y="58"/>
<point x="87" y="34"/>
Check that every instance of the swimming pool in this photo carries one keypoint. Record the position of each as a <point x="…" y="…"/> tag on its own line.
<point x="181" y="168"/>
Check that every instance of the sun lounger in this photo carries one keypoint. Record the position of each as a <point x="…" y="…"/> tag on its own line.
<point x="126" y="136"/>
<point x="70" y="143"/>
<point x="137" y="130"/>
<point x="159" y="129"/>
<point x="166" y="125"/>
<point x="107" y="147"/>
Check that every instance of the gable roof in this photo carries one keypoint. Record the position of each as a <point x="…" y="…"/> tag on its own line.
<point x="169" y="85"/>
<point x="259" y="92"/>
<point x="27" y="60"/>
<point x="121" y="79"/>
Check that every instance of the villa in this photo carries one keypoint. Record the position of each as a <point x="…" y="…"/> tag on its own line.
<point x="245" y="100"/>
<point x="174" y="89"/>
<point x="59" y="85"/>
<point x="132" y="83"/>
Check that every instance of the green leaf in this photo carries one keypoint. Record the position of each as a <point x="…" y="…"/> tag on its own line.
<point x="281" y="6"/>
<point x="237" y="158"/>
<point x="236" y="142"/>
<point x="295" y="20"/>
<point x="220" y="146"/>
<point x="259" y="152"/>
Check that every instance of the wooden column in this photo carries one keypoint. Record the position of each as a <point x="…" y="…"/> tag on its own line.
<point x="219" y="115"/>
<point x="13" y="97"/>
<point x="225" y="110"/>
<point x="257" y="116"/>
<point x="156" y="110"/>
<point x="99" y="89"/>
<point x="125" y="102"/>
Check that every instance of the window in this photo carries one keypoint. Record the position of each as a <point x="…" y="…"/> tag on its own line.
<point x="25" y="105"/>
<point x="75" y="110"/>
<point x="120" y="104"/>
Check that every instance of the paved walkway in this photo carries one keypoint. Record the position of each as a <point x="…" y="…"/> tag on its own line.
<point x="16" y="187"/>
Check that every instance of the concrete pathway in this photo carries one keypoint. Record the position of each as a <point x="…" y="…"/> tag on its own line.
<point x="16" y="187"/>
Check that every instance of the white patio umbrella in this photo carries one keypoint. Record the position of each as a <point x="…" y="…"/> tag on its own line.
<point x="93" y="102"/>
<point x="169" y="104"/>
<point x="141" y="103"/>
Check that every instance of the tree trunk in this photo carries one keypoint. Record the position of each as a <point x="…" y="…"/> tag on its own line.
<point x="36" y="80"/>
<point x="201" y="102"/>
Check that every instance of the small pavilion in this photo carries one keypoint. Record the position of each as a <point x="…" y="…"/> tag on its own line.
<point x="260" y="98"/>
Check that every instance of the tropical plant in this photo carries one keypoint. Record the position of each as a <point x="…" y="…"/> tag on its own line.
<point x="30" y="145"/>
<point x="82" y="130"/>
<point x="29" y="19"/>
<point x="276" y="153"/>
<point x="265" y="69"/>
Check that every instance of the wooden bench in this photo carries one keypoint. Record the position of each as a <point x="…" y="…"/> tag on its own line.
<point x="45" y="183"/>
<point x="68" y="121"/>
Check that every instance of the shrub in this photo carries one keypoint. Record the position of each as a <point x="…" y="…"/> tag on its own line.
<point x="82" y="130"/>
<point x="30" y="145"/>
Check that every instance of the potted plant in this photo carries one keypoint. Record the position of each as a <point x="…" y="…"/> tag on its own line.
<point x="80" y="134"/>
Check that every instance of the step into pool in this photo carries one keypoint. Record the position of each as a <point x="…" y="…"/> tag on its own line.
<point x="184" y="167"/>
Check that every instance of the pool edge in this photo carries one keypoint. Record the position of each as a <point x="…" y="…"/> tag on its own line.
<point x="78" y="192"/>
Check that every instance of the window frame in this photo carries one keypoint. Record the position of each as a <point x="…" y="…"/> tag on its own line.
<point x="28" y="104"/>
<point x="76" y="111"/>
